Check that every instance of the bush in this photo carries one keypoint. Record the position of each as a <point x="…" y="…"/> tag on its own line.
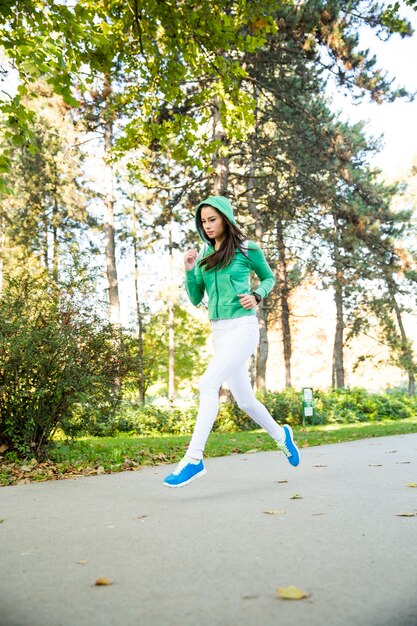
<point x="284" y="406"/>
<point x="330" y="406"/>
<point x="134" y="418"/>
<point x="58" y="365"/>
<point x="358" y="405"/>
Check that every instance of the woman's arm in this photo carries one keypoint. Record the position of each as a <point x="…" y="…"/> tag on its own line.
<point x="261" y="268"/>
<point x="194" y="283"/>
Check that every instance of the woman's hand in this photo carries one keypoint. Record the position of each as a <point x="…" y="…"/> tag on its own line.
<point x="190" y="259"/>
<point x="246" y="300"/>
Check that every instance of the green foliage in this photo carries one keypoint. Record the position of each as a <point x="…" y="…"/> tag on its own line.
<point x="392" y="18"/>
<point x="146" y="419"/>
<point x="47" y="191"/>
<point x="58" y="363"/>
<point x="190" y="336"/>
<point x="171" y="59"/>
<point x="358" y="405"/>
<point x="343" y="406"/>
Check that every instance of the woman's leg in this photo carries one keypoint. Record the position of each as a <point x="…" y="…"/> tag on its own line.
<point x="232" y="346"/>
<point x="241" y="388"/>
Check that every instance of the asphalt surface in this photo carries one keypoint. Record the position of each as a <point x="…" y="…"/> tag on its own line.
<point x="208" y="554"/>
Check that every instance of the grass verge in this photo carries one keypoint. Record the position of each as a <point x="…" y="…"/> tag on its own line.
<point x="99" y="455"/>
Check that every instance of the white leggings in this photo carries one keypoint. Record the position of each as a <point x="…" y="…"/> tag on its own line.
<point x="235" y="340"/>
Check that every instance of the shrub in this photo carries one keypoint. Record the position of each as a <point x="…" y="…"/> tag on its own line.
<point x="330" y="406"/>
<point x="285" y="406"/>
<point x="358" y="405"/>
<point x="58" y="365"/>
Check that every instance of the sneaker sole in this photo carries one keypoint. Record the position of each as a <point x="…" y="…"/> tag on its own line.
<point x="295" y="446"/>
<point x="186" y="482"/>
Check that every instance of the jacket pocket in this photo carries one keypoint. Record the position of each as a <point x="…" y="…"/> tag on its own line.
<point x="238" y="288"/>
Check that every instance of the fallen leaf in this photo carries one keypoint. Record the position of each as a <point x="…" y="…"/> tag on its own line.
<point x="100" y="469"/>
<point x="3" y="448"/>
<point x="409" y="514"/>
<point x="275" y="512"/>
<point x="252" y="451"/>
<point x="82" y="562"/>
<point x="103" y="581"/>
<point x="305" y="445"/>
<point x="291" y="593"/>
<point x="1" y="520"/>
<point x="412" y="485"/>
<point x="296" y="496"/>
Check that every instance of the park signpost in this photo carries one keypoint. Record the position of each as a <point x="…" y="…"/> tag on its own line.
<point x="307" y="401"/>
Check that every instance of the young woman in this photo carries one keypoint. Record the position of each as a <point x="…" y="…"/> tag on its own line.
<point x="223" y="270"/>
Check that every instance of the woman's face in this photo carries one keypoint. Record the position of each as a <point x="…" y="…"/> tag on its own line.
<point x="213" y="223"/>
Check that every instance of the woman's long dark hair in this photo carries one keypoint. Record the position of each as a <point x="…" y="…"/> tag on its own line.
<point x="225" y="254"/>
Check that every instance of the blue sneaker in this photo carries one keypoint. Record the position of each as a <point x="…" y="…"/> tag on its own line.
<point x="289" y="447"/>
<point x="184" y="473"/>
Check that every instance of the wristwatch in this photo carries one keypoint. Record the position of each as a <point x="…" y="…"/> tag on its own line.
<point x="258" y="297"/>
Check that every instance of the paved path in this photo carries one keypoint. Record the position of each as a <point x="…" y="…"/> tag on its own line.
<point x="208" y="555"/>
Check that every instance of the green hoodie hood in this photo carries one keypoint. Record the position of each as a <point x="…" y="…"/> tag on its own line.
<point x="220" y="203"/>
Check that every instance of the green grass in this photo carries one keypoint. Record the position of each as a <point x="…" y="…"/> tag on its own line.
<point x="110" y="451"/>
<point x="91" y="455"/>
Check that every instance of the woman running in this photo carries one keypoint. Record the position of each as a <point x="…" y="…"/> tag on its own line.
<point x="223" y="270"/>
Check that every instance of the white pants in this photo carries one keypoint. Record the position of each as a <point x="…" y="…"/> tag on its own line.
<point x="235" y="340"/>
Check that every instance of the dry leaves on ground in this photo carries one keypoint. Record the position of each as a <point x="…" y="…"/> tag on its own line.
<point x="292" y="593"/>
<point x="275" y="512"/>
<point x="34" y="471"/>
<point x="103" y="581"/>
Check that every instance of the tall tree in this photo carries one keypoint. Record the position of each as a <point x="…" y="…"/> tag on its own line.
<point x="97" y="115"/>
<point x="45" y="212"/>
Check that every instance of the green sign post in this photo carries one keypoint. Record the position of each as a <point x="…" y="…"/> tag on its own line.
<point x="308" y="410"/>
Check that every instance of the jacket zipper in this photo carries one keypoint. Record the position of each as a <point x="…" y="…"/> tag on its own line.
<point x="217" y="294"/>
<point x="231" y="282"/>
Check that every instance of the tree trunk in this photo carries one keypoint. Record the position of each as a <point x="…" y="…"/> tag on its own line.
<point x="220" y="161"/>
<point x="2" y="248"/>
<point x="406" y="348"/>
<point x="284" y="299"/>
<point x="171" y="337"/>
<point x="261" y="357"/>
<point x="55" y="250"/>
<point x="338" y="373"/>
<point x="45" y="240"/>
<point x="141" y="381"/>
<point x="109" y="233"/>
<point x="263" y="348"/>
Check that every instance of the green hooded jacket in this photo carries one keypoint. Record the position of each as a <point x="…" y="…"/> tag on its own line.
<point x="223" y="285"/>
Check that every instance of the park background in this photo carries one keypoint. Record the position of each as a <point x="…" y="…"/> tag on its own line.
<point x="115" y="124"/>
